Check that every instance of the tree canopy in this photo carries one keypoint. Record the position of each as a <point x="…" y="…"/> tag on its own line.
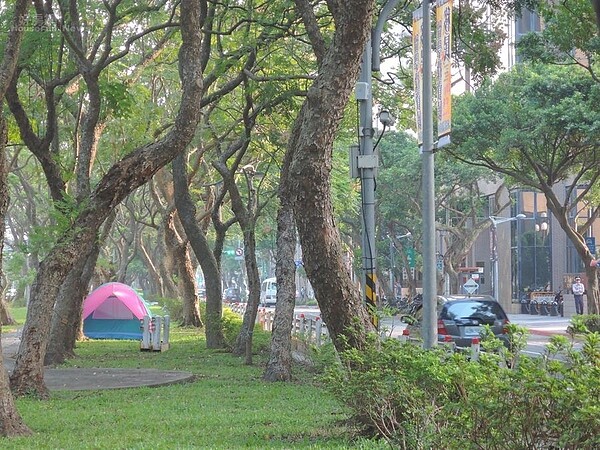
<point x="538" y="126"/>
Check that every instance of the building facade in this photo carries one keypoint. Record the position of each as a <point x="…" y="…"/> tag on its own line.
<point x="534" y="253"/>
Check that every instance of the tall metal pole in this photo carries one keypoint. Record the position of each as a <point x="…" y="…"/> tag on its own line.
<point x="429" y="326"/>
<point x="495" y="278"/>
<point x="367" y="175"/>
<point x="368" y="161"/>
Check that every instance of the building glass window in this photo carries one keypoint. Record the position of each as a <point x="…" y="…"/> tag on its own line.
<point x="531" y="249"/>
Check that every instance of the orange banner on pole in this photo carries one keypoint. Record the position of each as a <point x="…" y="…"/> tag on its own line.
<point x="444" y="69"/>
<point x="417" y="41"/>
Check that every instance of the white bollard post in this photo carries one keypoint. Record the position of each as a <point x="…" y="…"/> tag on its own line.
<point x="145" y="325"/>
<point x="475" y="348"/>
<point x="318" y="331"/>
<point x="166" y="330"/>
<point x="155" y="337"/>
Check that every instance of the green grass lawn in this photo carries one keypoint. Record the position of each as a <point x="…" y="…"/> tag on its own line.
<point x="228" y="406"/>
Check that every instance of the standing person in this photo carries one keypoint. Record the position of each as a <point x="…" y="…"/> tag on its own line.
<point x="578" y="289"/>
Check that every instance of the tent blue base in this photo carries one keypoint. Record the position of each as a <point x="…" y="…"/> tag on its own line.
<point x="112" y="329"/>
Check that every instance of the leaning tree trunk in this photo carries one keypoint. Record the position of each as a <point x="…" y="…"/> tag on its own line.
<point x="11" y="423"/>
<point x="279" y="366"/>
<point x="178" y="250"/>
<point x="246" y="216"/>
<point x="243" y="343"/>
<point x="593" y="290"/>
<point x="66" y="317"/>
<point x="122" y="178"/>
<point x="212" y="275"/>
<point x="66" y="322"/>
<point x="253" y="284"/>
<point x="310" y="175"/>
<point x="182" y="265"/>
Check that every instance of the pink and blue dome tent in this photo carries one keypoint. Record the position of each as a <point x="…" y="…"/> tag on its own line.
<point x="114" y="311"/>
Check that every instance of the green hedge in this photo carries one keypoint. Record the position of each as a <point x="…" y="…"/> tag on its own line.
<point x="422" y="399"/>
<point x="584" y="324"/>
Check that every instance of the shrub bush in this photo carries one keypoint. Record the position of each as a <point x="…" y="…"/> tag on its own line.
<point x="232" y="324"/>
<point x="172" y="306"/>
<point x="586" y="323"/>
<point x="420" y="399"/>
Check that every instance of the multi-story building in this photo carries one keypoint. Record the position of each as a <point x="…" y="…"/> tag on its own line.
<point x="533" y="253"/>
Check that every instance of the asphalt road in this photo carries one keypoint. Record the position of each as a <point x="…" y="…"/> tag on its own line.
<point x="540" y="328"/>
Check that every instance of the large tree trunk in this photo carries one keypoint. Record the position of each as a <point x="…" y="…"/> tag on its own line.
<point x="246" y="216"/>
<point x="212" y="274"/>
<point x="310" y="174"/>
<point x="185" y="273"/>
<point x="66" y="322"/>
<point x="11" y="423"/>
<point x="66" y="317"/>
<point x="244" y="339"/>
<point x="279" y="366"/>
<point x="122" y="178"/>
<point x="560" y="213"/>
<point x="593" y="290"/>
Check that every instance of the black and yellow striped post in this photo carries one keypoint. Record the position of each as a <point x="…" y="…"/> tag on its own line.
<point x="371" y="297"/>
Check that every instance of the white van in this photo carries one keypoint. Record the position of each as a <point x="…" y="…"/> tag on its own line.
<point x="268" y="292"/>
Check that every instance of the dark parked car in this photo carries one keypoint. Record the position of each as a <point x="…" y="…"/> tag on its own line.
<point x="461" y="318"/>
<point x="232" y="295"/>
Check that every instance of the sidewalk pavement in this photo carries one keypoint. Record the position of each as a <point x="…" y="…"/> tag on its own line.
<point x="542" y="325"/>
<point x="81" y="379"/>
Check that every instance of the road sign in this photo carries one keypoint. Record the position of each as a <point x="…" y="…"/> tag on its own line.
<point x="410" y="255"/>
<point x="470" y="286"/>
<point x="239" y="253"/>
<point x="440" y="263"/>
<point x="591" y="244"/>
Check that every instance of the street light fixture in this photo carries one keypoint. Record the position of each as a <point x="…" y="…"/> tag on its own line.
<point x="494" y="235"/>
<point x="386" y="119"/>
